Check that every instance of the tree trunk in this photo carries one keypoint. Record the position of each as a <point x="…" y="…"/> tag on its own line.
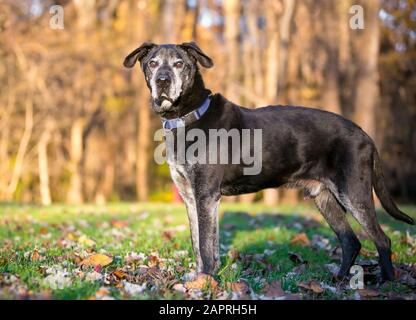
<point x="273" y="10"/>
<point x="287" y="196"/>
<point x="75" y="195"/>
<point x="231" y="32"/>
<point x="286" y="21"/>
<point x="367" y="89"/>
<point x="231" y="15"/>
<point x="106" y="185"/>
<point x="253" y="8"/>
<point x="45" y="193"/>
<point x="143" y="139"/>
<point x="21" y="152"/>
<point x="331" y="98"/>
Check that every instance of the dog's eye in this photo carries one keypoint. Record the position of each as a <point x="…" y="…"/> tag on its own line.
<point x="178" y="64"/>
<point x="153" y="64"/>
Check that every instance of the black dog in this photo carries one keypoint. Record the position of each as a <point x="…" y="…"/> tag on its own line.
<point x="330" y="157"/>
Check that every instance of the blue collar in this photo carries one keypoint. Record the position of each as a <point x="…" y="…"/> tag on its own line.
<point x="188" y="118"/>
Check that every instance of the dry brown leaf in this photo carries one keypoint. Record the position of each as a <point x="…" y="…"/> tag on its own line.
<point x="394" y="256"/>
<point x="120" y="274"/>
<point x="312" y="285"/>
<point x="240" y="286"/>
<point x="274" y="289"/>
<point x="300" y="239"/>
<point x="119" y="224"/>
<point x="316" y="287"/>
<point x="300" y="269"/>
<point x="35" y="256"/>
<point x="97" y="259"/>
<point x="368" y="293"/>
<point x="153" y="260"/>
<point x="101" y="292"/>
<point x="202" y="281"/>
<point x="233" y="254"/>
<point x="168" y="234"/>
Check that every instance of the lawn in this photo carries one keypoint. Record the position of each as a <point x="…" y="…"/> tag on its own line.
<point x="143" y="251"/>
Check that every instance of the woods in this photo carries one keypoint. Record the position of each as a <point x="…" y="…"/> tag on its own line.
<point x="75" y="126"/>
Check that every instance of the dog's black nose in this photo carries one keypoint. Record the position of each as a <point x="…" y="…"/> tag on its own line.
<point x="163" y="80"/>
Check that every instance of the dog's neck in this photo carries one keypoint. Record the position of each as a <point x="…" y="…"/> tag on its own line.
<point x="191" y="100"/>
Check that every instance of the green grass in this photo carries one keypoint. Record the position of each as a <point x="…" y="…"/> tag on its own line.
<point x="119" y="229"/>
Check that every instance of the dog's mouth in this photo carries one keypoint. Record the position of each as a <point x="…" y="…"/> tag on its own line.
<point x="164" y="99"/>
<point x="164" y="104"/>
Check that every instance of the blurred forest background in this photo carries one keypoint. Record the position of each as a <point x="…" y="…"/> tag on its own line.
<point x="75" y="126"/>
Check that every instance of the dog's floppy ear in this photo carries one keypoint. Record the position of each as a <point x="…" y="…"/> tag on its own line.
<point x="197" y="53"/>
<point x="138" y="54"/>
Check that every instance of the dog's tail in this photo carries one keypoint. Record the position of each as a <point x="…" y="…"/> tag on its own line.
<point x="384" y="195"/>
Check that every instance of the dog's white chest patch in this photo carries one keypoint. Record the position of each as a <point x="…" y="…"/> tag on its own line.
<point x="181" y="179"/>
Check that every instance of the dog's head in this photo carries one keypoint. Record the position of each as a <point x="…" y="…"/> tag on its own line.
<point x="170" y="71"/>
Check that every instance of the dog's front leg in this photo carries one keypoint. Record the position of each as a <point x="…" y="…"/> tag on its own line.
<point x="207" y="211"/>
<point x="201" y="204"/>
<point x="193" y="224"/>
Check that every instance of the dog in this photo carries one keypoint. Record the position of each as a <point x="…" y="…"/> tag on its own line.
<point x="328" y="156"/>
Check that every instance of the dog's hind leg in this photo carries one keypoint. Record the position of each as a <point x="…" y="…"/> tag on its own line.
<point x="355" y="193"/>
<point x="362" y="208"/>
<point x="335" y="216"/>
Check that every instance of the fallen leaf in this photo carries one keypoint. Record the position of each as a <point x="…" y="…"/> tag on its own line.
<point x="239" y="286"/>
<point x="70" y="236"/>
<point x="133" y="288"/>
<point x="312" y="285"/>
<point x="202" y="281"/>
<point x="93" y="276"/>
<point x="84" y="240"/>
<point x="97" y="259"/>
<point x="333" y="268"/>
<point x="300" y="269"/>
<point x="273" y="289"/>
<point x="35" y="256"/>
<point x="168" y="234"/>
<point x="316" y="287"/>
<point x="300" y="239"/>
<point x="102" y="291"/>
<point x="368" y="293"/>
<point x="405" y="277"/>
<point x="119" y="224"/>
<point x="153" y="260"/>
<point x="120" y="274"/>
<point x="98" y="268"/>
<point x="232" y="254"/>
<point x="320" y="242"/>
<point x="179" y="287"/>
